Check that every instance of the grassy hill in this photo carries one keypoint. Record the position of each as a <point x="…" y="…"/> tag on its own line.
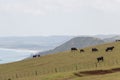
<point x="112" y="39"/>
<point x="78" y="42"/>
<point x="63" y="65"/>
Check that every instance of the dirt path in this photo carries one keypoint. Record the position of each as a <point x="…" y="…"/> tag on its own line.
<point x="97" y="72"/>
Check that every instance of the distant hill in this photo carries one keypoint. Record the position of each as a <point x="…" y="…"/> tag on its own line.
<point x="48" y="42"/>
<point x="102" y="36"/>
<point x="33" y="42"/>
<point x="112" y="39"/>
<point x="78" y="42"/>
<point x="44" y="42"/>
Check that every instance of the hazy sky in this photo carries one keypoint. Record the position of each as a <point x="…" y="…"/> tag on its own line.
<point x="59" y="17"/>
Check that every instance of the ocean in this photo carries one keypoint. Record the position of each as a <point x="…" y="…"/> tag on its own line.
<point x="13" y="55"/>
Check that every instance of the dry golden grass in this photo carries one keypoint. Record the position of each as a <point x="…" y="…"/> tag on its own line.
<point x="61" y="63"/>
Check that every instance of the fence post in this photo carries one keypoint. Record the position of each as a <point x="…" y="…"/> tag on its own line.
<point x="96" y="65"/>
<point x="16" y="76"/>
<point x="36" y="73"/>
<point x="76" y="67"/>
<point x="55" y="69"/>
<point x="116" y="61"/>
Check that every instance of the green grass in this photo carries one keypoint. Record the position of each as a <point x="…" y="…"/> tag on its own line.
<point x="62" y="65"/>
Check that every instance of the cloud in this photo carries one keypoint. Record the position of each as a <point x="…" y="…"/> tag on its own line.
<point x="106" y="5"/>
<point x="43" y="7"/>
<point x="22" y="7"/>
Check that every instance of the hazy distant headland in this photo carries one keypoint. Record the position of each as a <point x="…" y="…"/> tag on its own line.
<point x="33" y="42"/>
<point x="43" y="42"/>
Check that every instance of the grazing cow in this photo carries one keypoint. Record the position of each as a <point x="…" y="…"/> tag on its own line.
<point x="38" y="55"/>
<point x="94" y="49"/>
<point x="34" y="56"/>
<point x="82" y="50"/>
<point x="100" y="59"/>
<point x="73" y="49"/>
<point x="109" y="48"/>
<point x="117" y="40"/>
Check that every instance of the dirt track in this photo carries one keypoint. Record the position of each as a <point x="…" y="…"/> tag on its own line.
<point x="97" y="72"/>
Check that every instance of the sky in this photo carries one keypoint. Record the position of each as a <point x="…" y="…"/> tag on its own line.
<point x="59" y="17"/>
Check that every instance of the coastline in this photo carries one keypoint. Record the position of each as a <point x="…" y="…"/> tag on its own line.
<point x="9" y="55"/>
<point x="22" y="50"/>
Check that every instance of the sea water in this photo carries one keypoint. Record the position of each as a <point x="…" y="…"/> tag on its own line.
<point x="13" y="55"/>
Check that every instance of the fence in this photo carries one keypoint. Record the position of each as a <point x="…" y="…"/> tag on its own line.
<point x="73" y="67"/>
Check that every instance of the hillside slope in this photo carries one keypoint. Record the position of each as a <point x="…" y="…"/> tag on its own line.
<point x="63" y="62"/>
<point x="78" y="42"/>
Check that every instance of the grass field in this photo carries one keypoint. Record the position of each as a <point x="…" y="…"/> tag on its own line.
<point x="63" y="65"/>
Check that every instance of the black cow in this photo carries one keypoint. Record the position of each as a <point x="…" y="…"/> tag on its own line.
<point x="117" y="40"/>
<point x="82" y="50"/>
<point x="109" y="48"/>
<point x="73" y="49"/>
<point x="100" y="59"/>
<point x="38" y="55"/>
<point x="94" y="49"/>
<point x="34" y="56"/>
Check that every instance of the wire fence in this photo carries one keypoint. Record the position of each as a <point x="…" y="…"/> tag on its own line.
<point x="73" y="67"/>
